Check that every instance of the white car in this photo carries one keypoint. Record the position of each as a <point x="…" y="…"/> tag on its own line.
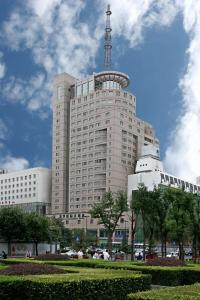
<point x="172" y="254"/>
<point x="70" y="253"/>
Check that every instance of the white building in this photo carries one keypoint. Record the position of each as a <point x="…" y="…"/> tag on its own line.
<point x="150" y="172"/>
<point x="27" y="189"/>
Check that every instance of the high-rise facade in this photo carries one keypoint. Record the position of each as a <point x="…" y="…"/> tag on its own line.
<point x="96" y="140"/>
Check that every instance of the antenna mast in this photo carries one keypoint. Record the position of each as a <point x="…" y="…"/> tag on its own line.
<point x="107" y="41"/>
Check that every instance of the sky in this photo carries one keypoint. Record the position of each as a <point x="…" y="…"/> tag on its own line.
<point x="156" y="42"/>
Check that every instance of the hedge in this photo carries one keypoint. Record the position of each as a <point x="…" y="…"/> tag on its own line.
<point x="167" y="276"/>
<point x="108" y="285"/>
<point x="191" y="292"/>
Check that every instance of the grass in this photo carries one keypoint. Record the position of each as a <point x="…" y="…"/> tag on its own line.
<point x="173" y="293"/>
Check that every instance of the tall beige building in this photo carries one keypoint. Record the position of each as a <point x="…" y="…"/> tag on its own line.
<point x="96" y="141"/>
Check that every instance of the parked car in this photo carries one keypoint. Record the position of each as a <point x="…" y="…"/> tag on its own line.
<point x="71" y="253"/>
<point x="172" y="254"/>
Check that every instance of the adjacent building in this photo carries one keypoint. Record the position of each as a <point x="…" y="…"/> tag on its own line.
<point x="150" y="172"/>
<point x="28" y="189"/>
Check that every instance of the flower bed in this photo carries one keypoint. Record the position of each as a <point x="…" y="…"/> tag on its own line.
<point x="31" y="269"/>
<point x="164" y="261"/>
<point x="52" y="257"/>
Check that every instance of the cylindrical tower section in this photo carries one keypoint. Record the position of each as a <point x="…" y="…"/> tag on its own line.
<point x="111" y="80"/>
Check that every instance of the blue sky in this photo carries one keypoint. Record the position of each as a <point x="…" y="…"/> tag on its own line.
<point x="155" y="42"/>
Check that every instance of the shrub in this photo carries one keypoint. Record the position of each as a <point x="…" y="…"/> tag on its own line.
<point x="52" y="257"/>
<point x="191" y="292"/>
<point x="113" y="286"/>
<point x="164" y="261"/>
<point x="167" y="276"/>
<point x="31" y="269"/>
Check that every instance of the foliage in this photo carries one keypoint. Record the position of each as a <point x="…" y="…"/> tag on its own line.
<point x="31" y="269"/>
<point x="179" y="293"/>
<point x="37" y="228"/>
<point x="105" y="285"/>
<point x="168" y="214"/>
<point x="168" y="276"/>
<point x="109" y="210"/>
<point x="85" y="239"/>
<point x="12" y="225"/>
<point x="164" y="261"/>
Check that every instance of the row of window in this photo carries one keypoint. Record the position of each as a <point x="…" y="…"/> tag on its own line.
<point x="176" y="181"/>
<point x="18" y="197"/>
<point x="17" y="191"/>
<point x="17" y="185"/>
<point x="18" y="178"/>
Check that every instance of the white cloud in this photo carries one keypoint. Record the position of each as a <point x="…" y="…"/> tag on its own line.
<point x="59" y="42"/>
<point x="183" y="154"/>
<point x="2" y="66"/>
<point x="11" y="163"/>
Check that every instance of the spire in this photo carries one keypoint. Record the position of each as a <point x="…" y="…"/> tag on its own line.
<point x="107" y="41"/>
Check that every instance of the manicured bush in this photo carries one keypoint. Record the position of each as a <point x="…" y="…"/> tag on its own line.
<point x="31" y="269"/>
<point x="167" y="276"/>
<point x="52" y="257"/>
<point x="165" y="261"/>
<point x="111" y="285"/>
<point x="191" y="292"/>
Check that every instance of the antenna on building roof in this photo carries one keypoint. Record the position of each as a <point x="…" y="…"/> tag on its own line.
<point x="107" y="40"/>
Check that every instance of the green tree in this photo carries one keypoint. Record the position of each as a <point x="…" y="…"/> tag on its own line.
<point x="108" y="211"/>
<point x="58" y="233"/>
<point x="37" y="229"/>
<point x="179" y="218"/>
<point x="141" y="207"/>
<point x="194" y="212"/>
<point x="133" y="220"/>
<point x="161" y="197"/>
<point x="12" y="225"/>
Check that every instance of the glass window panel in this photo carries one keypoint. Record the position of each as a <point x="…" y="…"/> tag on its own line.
<point x="79" y="88"/>
<point x="85" y="88"/>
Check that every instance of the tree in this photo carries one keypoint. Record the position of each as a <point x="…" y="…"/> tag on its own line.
<point x="108" y="211"/>
<point x="58" y="233"/>
<point x="12" y="225"/>
<point x="37" y="229"/>
<point x="161" y="197"/>
<point x="141" y="207"/>
<point x="133" y="220"/>
<point x="179" y="218"/>
<point x="194" y="212"/>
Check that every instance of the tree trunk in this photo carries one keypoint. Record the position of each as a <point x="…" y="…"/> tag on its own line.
<point x="36" y="248"/>
<point x="144" y="242"/>
<point x="110" y="234"/>
<point x="133" y="227"/>
<point x="194" y="248"/>
<point x="165" y="246"/>
<point x="162" y="247"/>
<point x="181" y="251"/>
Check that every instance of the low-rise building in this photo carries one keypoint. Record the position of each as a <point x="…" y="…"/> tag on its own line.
<point x="28" y="189"/>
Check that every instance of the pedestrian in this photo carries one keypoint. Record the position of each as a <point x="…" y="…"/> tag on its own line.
<point x="95" y="255"/>
<point x="80" y="253"/>
<point x="106" y="255"/>
<point x="4" y="255"/>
